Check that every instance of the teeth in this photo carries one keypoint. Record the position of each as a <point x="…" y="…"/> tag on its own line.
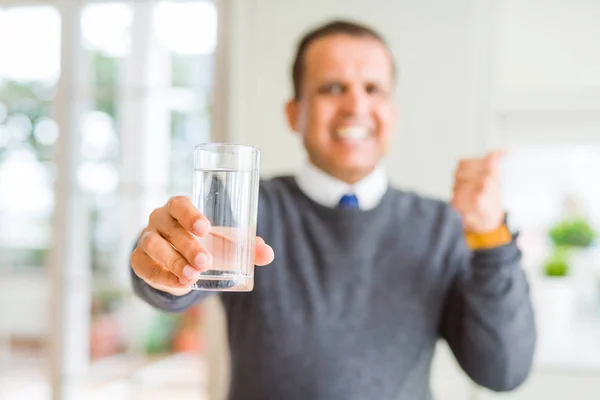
<point x="356" y="132"/>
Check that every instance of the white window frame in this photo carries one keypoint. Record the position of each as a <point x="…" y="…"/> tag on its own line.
<point x="144" y="180"/>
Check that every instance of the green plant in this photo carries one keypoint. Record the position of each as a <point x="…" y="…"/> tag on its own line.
<point x="558" y="263"/>
<point x="159" y="337"/>
<point x="575" y="232"/>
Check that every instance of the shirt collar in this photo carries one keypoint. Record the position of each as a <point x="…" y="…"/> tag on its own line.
<point x="327" y="190"/>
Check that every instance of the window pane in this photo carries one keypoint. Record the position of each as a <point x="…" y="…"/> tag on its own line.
<point x="193" y="71"/>
<point x="187" y="130"/>
<point x="106" y="38"/>
<point x="186" y="27"/>
<point x="187" y="30"/>
<point x="36" y="29"/>
<point x="105" y="28"/>
<point x="30" y="39"/>
<point x="30" y="50"/>
<point x="170" y="94"/>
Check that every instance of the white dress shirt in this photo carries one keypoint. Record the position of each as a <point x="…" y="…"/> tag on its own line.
<point x="327" y="190"/>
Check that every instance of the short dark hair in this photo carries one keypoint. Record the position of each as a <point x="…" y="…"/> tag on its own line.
<point x="336" y="27"/>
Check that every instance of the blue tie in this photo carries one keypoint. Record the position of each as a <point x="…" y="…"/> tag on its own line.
<point x="348" y="201"/>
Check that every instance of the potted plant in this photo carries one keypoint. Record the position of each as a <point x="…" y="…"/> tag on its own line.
<point x="571" y="238"/>
<point x="575" y="232"/>
<point x="566" y="283"/>
<point x="578" y="237"/>
<point x="557" y="265"/>
<point x="556" y="304"/>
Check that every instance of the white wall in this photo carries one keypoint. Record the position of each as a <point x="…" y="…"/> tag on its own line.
<point x="434" y="46"/>
<point x="548" y="44"/>
<point x="547" y="80"/>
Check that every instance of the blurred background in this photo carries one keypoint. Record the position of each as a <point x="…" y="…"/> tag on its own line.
<point x="101" y="103"/>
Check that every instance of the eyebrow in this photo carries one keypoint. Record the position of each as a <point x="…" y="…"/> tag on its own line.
<point x="337" y="81"/>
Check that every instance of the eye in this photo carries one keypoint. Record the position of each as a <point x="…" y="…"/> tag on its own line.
<point x="373" y="88"/>
<point x="332" y="88"/>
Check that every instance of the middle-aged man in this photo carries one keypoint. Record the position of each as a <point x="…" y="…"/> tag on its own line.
<point x="365" y="278"/>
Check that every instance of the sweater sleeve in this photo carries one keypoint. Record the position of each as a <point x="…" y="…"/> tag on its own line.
<point x="488" y="319"/>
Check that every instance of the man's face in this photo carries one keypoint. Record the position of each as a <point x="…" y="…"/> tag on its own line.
<point x="345" y="113"/>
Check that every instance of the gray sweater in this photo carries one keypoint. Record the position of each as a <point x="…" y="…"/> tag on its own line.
<point x="355" y="301"/>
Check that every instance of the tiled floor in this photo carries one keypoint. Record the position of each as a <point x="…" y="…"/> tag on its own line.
<point x="180" y="376"/>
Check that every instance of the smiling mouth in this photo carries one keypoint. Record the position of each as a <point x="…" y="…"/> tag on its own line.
<point x="353" y="133"/>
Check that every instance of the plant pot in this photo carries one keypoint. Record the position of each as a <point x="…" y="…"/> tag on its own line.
<point x="556" y="307"/>
<point x="584" y="262"/>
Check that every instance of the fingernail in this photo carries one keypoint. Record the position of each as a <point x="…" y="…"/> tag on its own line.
<point x="201" y="260"/>
<point x="201" y="227"/>
<point x="190" y="272"/>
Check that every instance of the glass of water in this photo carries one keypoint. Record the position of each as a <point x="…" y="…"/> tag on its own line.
<point x="225" y="191"/>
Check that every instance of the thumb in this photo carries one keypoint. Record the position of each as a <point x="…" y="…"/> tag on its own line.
<point x="494" y="158"/>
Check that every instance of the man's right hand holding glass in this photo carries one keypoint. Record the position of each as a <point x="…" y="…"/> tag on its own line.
<point x="168" y="255"/>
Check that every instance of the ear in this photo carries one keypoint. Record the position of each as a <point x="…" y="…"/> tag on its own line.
<point x="291" y="112"/>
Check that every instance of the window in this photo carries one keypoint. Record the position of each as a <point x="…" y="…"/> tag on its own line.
<point x="187" y="31"/>
<point x="544" y="185"/>
<point x="27" y="132"/>
<point x="145" y="97"/>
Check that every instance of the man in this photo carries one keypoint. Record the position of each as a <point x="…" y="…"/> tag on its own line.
<point x="366" y="278"/>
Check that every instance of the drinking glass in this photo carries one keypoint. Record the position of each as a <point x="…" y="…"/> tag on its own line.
<point x="225" y="191"/>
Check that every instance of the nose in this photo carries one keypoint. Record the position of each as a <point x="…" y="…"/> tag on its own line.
<point x="355" y="102"/>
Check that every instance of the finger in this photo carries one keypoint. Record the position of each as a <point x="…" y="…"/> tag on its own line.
<point x="183" y="241"/>
<point x="462" y="205"/>
<point x="264" y="253"/>
<point x="464" y="201"/>
<point x="223" y="246"/>
<point x="192" y="220"/>
<point x="471" y="174"/>
<point x="497" y="154"/>
<point x="468" y="187"/>
<point x="494" y="158"/>
<point x="470" y="168"/>
<point x="161" y="251"/>
<point x="471" y="163"/>
<point x="483" y="185"/>
<point x="152" y="272"/>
